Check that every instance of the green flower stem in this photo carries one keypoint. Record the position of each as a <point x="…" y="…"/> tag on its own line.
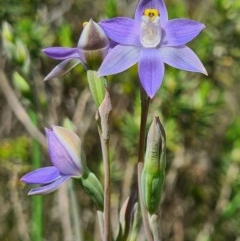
<point x="145" y="100"/>
<point x="36" y="222"/>
<point x="107" y="187"/>
<point x="97" y="86"/>
<point x="103" y="118"/>
<point x="74" y="211"/>
<point x="101" y="223"/>
<point x="92" y="186"/>
<point x="154" y="222"/>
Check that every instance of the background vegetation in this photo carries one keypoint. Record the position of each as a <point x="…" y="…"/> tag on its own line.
<point x="201" y="116"/>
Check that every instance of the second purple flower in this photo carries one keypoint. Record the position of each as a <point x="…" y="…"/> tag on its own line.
<point x="92" y="47"/>
<point x="64" y="149"/>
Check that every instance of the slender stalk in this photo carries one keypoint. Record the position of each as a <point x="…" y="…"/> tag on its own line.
<point x="143" y="122"/>
<point x="155" y="224"/>
<point x="145" y="100"/>
<point x="74" y="211"/>
<point x="21" y="226"/>
<point x="107" y="187"/>
<point x="103" y="118"/>
<point x="102" y="100"/>
<point x="101" y="224"/>
<point x="36" y="200"/>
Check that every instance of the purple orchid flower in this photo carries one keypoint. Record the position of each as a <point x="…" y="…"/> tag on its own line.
<point x="92" y="47"/>
<point x="151" y="40"/>
<point x="65" y="154"/>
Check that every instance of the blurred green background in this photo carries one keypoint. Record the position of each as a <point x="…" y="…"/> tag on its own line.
<point x="201" y="116"/>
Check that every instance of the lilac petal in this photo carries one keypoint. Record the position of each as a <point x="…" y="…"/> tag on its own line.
<point x="156" y="4"/>
<point x="122" y="30"/>
<point x="151" y="71"/>
<point x="71" y="143"/>
<point x="42" y="175"/>
<point x="119" y="59"/>
<point x="62" y="68"/>
<point x="61" y="53"/>
<point x="60" y="158"/>
<point x="50" y="187"/>
<point x="182" y="58"/>
<point x="180" y="31"/>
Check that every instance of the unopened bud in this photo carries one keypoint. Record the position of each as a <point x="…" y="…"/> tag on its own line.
<point x="21" y="54"/>
<point x="7" y="32"/>
<point x="20" y="83"/>
<point x="7" y="39"/>
<point x="93" y="44"/>
<point x="153" y="173"/>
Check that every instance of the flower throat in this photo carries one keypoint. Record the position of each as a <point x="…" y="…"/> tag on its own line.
<point x="150" y="28"/>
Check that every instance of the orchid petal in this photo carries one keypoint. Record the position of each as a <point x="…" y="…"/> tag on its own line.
<point x="93" y="37"/>
<point x="50" y="187"/>
<point x="119" y="59"/>
<point x="122" y="30"/>
<point x="151" y="71"/>
<point x="61" y="53"/>
<point x="182" y="58"/>
<point x="41" y="176"/>
<point x="180" y="31"/>
<point x="156" y="4"/>
<point x="62" y="68"/>
<point x="70" y="141"/>
<point x="60" y="157"/>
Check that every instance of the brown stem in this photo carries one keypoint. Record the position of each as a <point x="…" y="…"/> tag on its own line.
<point x="145" y="100"/>
<point x="19" y="111"/>
<point x="144" y="113"/>
<point x="107" y="188"/>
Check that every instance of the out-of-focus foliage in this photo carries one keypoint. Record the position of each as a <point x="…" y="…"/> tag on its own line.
<point x="201" y="116"/>
<point x="16" y="148"/>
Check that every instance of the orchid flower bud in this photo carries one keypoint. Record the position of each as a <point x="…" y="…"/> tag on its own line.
<point x="7" y="32"/>
<point x="69" y="161"/>
<point x="93" y="44"/>
<point x="21" y="52"/>
<point x="7" y="37"/>
<point x="64" y="149"/>
<point x="92" y="47"/>
<point x="153" y="173"/>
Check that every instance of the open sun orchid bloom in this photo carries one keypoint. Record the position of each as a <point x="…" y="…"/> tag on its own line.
<point x="64" y="149"/>
<point x="151" y="40"/>
<point x="92" y="47"/>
